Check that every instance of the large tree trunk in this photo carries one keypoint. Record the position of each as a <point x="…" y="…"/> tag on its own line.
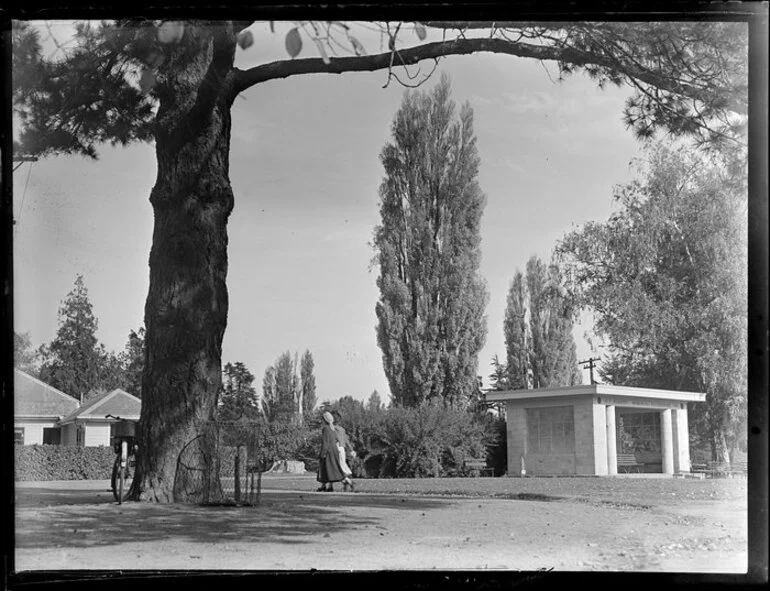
<point x="187" y="303"/>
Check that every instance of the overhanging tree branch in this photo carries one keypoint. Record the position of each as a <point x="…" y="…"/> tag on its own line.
<point x="244" y="79"/>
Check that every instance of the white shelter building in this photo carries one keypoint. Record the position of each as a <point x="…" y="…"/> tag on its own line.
<point x="597" y="430"/>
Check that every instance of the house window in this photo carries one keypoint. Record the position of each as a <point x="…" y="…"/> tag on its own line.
<point x="51" y="436"/>
<point x="18" y="435"/>
<point x="550" y="430"/>
<point x="80" y="436"/>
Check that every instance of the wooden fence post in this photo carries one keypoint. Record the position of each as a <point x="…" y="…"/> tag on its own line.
<point x="238" y="474"/>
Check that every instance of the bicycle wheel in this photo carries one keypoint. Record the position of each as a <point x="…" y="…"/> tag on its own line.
<point x="121" y="482"/>
<point x="128" y="479"/>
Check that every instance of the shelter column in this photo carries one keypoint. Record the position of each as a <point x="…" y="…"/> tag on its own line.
<point x="667" y="441"/>
<point x="599" y="438"/>
<point x="612" y="451"/>
<point x="681" y="440"/>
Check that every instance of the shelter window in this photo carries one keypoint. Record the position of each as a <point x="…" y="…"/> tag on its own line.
<point x="639" y="432"/>
<point x="551" y="430"/>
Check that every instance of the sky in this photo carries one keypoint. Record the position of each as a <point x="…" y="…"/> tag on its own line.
<point x="305" y="170"/>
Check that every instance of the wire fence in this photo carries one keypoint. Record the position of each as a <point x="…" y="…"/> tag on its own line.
<point x="225" y="462"/>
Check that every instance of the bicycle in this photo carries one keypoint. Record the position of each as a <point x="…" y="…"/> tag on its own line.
<point x="125" y="457"/>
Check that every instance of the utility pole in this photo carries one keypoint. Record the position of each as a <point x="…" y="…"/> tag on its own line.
<point x="590" y="363"/>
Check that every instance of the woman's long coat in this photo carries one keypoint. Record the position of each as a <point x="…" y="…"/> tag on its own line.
<point x="329" y="468"/>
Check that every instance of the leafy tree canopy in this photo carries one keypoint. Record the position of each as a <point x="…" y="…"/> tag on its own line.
<point x="689" y="78"/>
<point x="24" y="355"/>
<point x="666" y="276"/>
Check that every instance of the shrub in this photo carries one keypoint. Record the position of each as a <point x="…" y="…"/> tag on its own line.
<point x="428" y="440"/>
<point x="57" y="462"/>
<point x="265" y="441"/>
<point x="497" y="445"/>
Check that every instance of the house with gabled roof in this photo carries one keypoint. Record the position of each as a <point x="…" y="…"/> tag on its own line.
<point x="45" y="415"/>
<point x="93" y="423"/>
<point x="38" y="408"/>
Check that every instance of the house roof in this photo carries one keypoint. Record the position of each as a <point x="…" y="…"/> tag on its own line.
<point x="601" y="389"/>
<point x="33" y="398"/>
<point x="117" y="403"/>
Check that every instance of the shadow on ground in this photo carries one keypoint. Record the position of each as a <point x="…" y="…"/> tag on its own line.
<point x="88" y="520"/>
<point x="552" y="498"/>
<point x="45" y="496"/>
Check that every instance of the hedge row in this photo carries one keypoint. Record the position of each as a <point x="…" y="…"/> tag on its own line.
<point x="428" y="440"/>
<point x="58" y="462"/>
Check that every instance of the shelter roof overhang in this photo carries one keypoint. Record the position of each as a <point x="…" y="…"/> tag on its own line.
<point x="595" y="389"/>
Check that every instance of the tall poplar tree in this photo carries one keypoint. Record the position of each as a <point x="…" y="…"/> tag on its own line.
<point x="307" y="380"/>
<point x="282" y="389"/>
<point x="540" y="348"/>
<point x="269" y="398"/>
<point x="431" y="323"/>
<point x="515" y="331"/>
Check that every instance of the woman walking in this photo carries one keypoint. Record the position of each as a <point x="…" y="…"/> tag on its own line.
<point x="329" y="468"/>
<point x="344" y="448"/>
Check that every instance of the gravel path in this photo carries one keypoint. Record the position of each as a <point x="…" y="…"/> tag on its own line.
<point x="530" y="524"/>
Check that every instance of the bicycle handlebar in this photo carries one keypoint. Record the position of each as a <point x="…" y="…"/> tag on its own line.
<point x="109" y="416"/>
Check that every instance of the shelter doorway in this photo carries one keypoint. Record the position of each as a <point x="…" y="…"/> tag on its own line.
<point x="638" y="433"/>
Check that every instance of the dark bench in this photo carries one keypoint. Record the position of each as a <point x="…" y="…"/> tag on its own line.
<point x="629" y="463"/>
<point x="480" y="466"/>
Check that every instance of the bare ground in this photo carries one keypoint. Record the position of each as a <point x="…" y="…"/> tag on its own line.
<point x="459" y="524"/>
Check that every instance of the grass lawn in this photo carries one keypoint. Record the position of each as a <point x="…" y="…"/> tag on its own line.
<point x="620" y="490"/>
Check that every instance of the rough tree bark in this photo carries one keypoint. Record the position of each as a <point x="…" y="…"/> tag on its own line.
<point x="187" y="303"/>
